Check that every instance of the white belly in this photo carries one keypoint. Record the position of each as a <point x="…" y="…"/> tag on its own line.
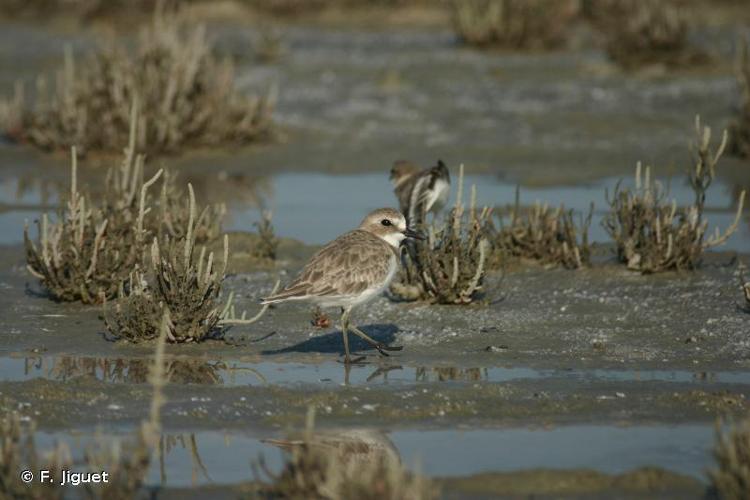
<point x="437" y="197"/>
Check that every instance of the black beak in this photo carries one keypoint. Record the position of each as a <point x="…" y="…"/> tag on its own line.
<point x="410" y="233"/>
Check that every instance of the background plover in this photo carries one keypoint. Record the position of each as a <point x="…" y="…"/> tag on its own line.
<point x="352" y="269"/>
<point x="420" y="191"/>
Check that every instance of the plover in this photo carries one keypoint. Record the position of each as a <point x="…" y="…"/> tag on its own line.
<point x="353" y="269"/>
<point x="420" y="191"/>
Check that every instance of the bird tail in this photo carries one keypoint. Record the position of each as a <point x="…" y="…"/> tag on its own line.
<point x="442" y="170"/>
<point x="288" y="294"/>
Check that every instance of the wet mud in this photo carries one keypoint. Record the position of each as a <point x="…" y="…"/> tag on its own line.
<point x="596" y="383"/>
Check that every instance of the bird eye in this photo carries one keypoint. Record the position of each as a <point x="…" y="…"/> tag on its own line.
<point x="385" y="222"/>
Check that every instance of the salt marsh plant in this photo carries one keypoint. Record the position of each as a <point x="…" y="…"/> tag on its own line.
<point x="188" y="97"/>
<point x="651" y="232"/>
<point x="88" y="252"/>
<point x="514" y="24"/>
<point x="268" y="243"/>
<point x="449" y="266"/>
<point x="18" y="452"/>
<point x="731" y="479"/>
<point x="316" y="471"/>
<point x="739" y="129"/>
<point x="645" y="32"/>
<point x="174" y="210"/>
<point x="548" y="235"/>
<point x="178" y="283"/>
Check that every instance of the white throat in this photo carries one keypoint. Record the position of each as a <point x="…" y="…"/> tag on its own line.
<point x="393" y="239"/>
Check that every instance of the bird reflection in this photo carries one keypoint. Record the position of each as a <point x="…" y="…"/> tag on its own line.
<point x="348" y="446"/>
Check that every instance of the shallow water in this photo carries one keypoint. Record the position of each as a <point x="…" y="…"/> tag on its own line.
<point x="315" y="208"/>
<point x="215" y="457"/>
<point x="597" y="348"/>
<point x="239" y="374"/>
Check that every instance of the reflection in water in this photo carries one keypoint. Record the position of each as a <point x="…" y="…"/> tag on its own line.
<point x="349" y="446"/>
<point x="130" y="370"/>
<point x="42" y="189"/>
<point x="248" y="373"/>
<point x="169" y="443"/>
<point x="32" y="192"/>
<point x="235" y="189"/>
<point x="203" y="457"/>
<point x="445" y="373"/>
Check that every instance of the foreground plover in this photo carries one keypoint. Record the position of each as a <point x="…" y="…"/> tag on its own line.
<point x="420" y="191"/>
<point x="353" y="269"/>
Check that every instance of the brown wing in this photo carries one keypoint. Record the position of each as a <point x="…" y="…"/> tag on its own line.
<point x="348" y="265"/>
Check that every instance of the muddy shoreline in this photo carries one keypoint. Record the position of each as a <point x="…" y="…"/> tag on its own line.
<point x="596" y="383"/>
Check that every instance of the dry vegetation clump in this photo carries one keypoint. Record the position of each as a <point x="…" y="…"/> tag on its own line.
<point x="731" y="479"/>
<point x="18" y="453"/>
<point x="514" y="24"/>
<point x="651" y="233"/>
<point x="268" y="243"/>
<point x="646" y="32"/>
<point x="548" y="235"/>
<point x="180" y="284"/>
<point x="316" y="471"/>
<point x="89" y="251"/>
<point x="739" y="129"/>
<point x="188" y="97"/>
<point x="174" y="210"/>
<point x="449" y="267"/>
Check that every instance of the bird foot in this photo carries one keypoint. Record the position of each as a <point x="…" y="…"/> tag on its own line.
<point x="382" y="348"/>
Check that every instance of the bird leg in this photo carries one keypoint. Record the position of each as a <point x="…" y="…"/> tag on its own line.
<point x="344" y="325"/>
<point x="381" y="347"/>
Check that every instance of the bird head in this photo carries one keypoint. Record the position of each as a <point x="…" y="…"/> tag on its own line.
<point x="390" y="225"/>
<point x="402" y="170"/>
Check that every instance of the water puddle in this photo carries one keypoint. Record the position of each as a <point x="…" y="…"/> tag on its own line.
<point x="316" y="208"/>
<point x="239" y="373"/>
<point x="213" y="457"/>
